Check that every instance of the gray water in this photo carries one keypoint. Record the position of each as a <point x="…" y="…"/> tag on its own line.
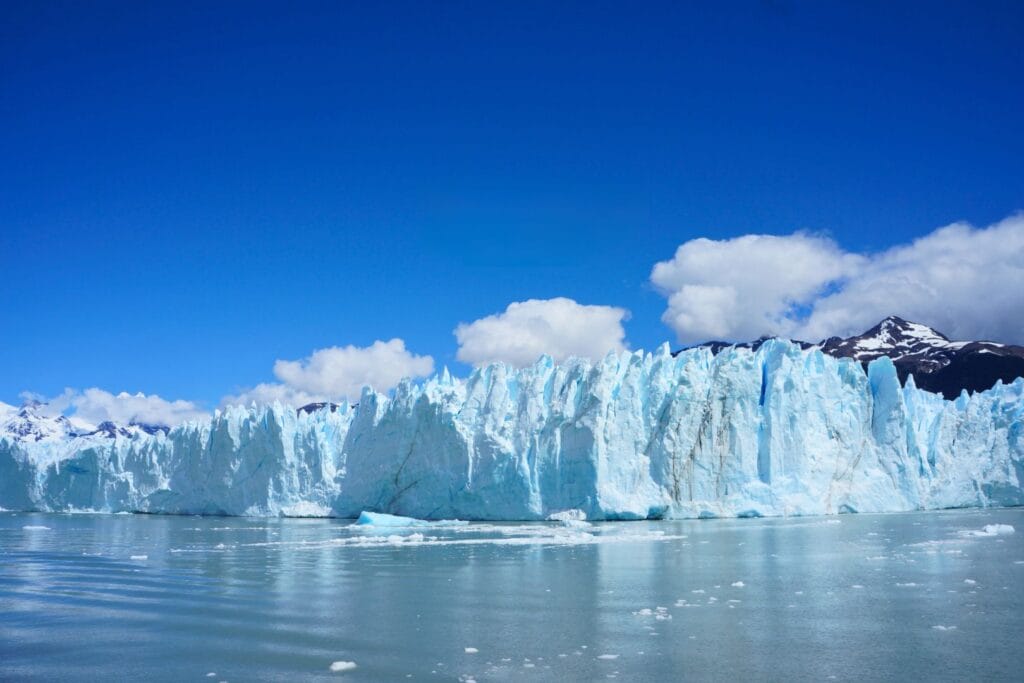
<point x="858" y="597"/>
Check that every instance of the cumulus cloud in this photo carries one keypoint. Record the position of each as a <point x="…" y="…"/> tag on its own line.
<point x="962" y="280"/>
<point x="338" y="373"/>
<point x="267" y="393"/>
<point x="748" y="286"/>
<point x="96" y="405"/>
<point x="527" y="329"/>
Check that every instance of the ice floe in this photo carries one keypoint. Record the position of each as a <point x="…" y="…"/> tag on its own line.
<point x="989" y="530"/>
<point x="380" y="519"/>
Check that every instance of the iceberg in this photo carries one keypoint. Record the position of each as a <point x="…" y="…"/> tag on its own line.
<point x="568" y="516"/>
<point x="380" y="519"/>
<point x="775" y="431"/>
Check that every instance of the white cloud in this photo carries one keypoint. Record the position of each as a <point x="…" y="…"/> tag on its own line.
<point x="527" y="329"/>
<point x="269" y="392"/>
<point x="964" y="281"/>
<point x="331" y="374"/>
<point x="96" y="405"/>
<point x="748" y="286"/>
<point x="338" y="373"/>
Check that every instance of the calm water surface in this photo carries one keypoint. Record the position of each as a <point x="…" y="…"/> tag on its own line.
<point x="860" y="597"/>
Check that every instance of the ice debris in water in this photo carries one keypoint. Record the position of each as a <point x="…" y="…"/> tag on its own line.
<point x="940" y="627"/>
<point x="570" y="518"/>
<point x="471" y="650"/>
<point x="989" y="530"/>
<point x="659" y="613"/>
<point x="381" y="519"/>
<point x="139" y="557"/>
<point x="35" y="527"/>
<point x="738" y="584"/>
<point x="341" y="665"/>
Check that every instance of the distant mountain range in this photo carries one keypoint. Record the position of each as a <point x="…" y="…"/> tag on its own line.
<point x="937" y="363"/>
<point x="31" y="422"/>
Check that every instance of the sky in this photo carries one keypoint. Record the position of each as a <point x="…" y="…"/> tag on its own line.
<point x="203" y="203"/>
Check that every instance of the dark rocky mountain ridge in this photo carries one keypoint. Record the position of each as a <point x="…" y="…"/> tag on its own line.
<point x="937" y="363"/>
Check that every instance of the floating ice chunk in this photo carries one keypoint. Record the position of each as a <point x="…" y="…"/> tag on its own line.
<point x="738" y="584"/>
<point x="140" y="558"/>
<point x="940" y="627"/>
<point x="35" y="527"/>
<point x="970" y="582"/>
<point x="989" y="530"/>
<point x="341" y="666"/>
<point x="380" y="519"/>
<point x="607" y="656"/>
<point x="471" y="650"/>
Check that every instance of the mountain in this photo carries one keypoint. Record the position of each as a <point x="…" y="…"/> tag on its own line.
<point x="937" y="364"/>
<point x="28" y="423"/>
<point x="780" y="430"/>
<point x="33" y="422"/>
<point x="319" y="405"/>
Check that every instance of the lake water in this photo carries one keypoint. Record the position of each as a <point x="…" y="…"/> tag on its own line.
<point x="857" y="597"/>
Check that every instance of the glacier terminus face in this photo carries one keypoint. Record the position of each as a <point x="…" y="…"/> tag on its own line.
<point x="776" y="431"/>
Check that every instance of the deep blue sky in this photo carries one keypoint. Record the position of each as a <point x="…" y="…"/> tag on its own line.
<point x="192" y="191"/>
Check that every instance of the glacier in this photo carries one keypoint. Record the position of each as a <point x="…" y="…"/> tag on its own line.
<point x="740" y="433"/>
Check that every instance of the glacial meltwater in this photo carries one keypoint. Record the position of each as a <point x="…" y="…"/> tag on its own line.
<point x="923" y="596"/>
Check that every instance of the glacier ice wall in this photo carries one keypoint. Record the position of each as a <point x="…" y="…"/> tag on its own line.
<point x="774" y="432"/>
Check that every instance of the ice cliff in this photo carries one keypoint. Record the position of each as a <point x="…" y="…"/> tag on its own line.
<point x="775" y="431"/>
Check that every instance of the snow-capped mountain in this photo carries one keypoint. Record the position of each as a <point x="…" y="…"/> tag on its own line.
<point x="33" y="422"/>
<point x="900" y="340"/>
<point x="937" y="363"/>
<point x="30" y="423"/>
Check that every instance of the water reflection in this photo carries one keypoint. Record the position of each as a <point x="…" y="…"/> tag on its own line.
<point x="856" y="598"/>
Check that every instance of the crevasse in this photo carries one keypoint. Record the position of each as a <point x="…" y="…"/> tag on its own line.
<point x="779" y="431"/>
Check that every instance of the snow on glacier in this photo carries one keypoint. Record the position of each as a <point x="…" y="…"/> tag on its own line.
<point x="777" y="431"/>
